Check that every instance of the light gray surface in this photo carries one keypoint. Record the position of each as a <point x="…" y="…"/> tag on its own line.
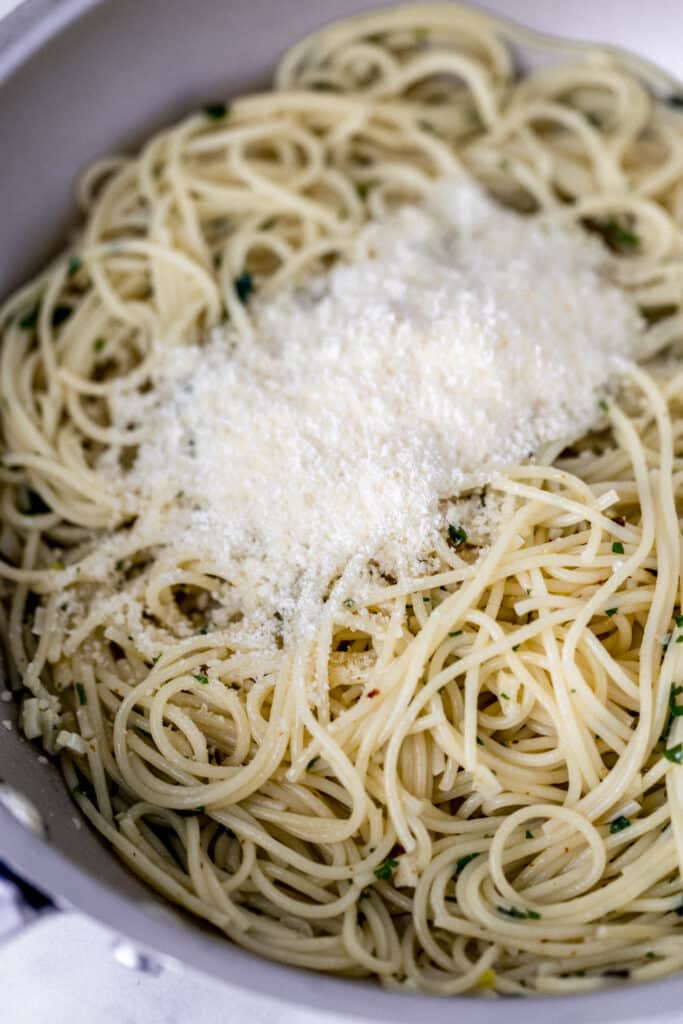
<point x="125" y="69"/>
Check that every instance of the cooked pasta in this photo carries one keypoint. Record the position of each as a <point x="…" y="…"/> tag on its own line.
<point x="460" y="781"/>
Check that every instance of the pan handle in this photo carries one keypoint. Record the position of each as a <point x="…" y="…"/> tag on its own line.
<point x="21" y="904"/>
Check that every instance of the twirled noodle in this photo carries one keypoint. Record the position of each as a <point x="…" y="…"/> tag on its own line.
<point x="460" y="781"/>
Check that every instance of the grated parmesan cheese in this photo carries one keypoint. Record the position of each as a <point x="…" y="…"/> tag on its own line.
<point x="460" y="338"/>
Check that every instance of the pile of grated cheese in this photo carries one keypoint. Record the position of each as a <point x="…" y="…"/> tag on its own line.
<point x="460" y="338"/>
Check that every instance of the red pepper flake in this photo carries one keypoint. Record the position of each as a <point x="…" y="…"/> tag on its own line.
<point x="373" y="693"/>
<point x="619" y="520"/>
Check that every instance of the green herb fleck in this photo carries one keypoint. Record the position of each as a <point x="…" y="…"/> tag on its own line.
<point x="312" y="763"/>
<point x="456" y="535"/>
<point x="522" y="915"/>
<point x="611" y="612"/>
<point x="675" y="754"/>
<point x="674" y="708"/>
<point x="30" y="319"/>
<point x="75" y="264"/>
<point x="616" y="235"/>
<point x="480" y="742"/>
<point x="364" y="187"/>
<point x="349" y="603"/>
<point x="80" y="690"/>
<point x="244" y="286"/>
<point x="216" y="111"/>
<point x="98" y="344"/>
<point x="650" y="955"/>
<point x="201" y="677"/>
<point x="528" y="834"/>
<point x="155" y="659"/>
<point x="464" y="861"/>
<point x="386" y="869"/>
<point x="456" y="632"/>
<point x="618" y="547"/>
<point x="505" y="696"/>
<point x="619" y="824"/>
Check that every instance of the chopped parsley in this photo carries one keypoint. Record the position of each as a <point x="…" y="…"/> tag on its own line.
<point x="618" y="547"/>
<point x="675" y="710"/>
<point x="602" y="404"/>
<point x="521" y="915"/>
<point x="611" y="612"/>
<point x="30" y="319"/>
<point x="619" y="824"/>
<point x="80" y="690"/>
<point x="464" y="861"/>
<point x="201" y="677"/>
<point x="505" y="696"/>
<point x="364" y="187"/>
<point x="244" y="286"/>
<point x="675" y="754"/>
<point x="75" y="264"/>
<point x="456" y="535"/>
<point x="616" y="235"/>
<point x="385" y="870"/>
<point x="528" y="834"/>
<point x="98" y="344"/>
<point x="456" y="632"/>
<point x="216" y="111"/>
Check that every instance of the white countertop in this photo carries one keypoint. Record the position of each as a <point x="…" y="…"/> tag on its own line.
<point x="63" y="970"/>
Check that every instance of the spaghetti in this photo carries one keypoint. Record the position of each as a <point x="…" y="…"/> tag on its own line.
<point x="470" y="779"/>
